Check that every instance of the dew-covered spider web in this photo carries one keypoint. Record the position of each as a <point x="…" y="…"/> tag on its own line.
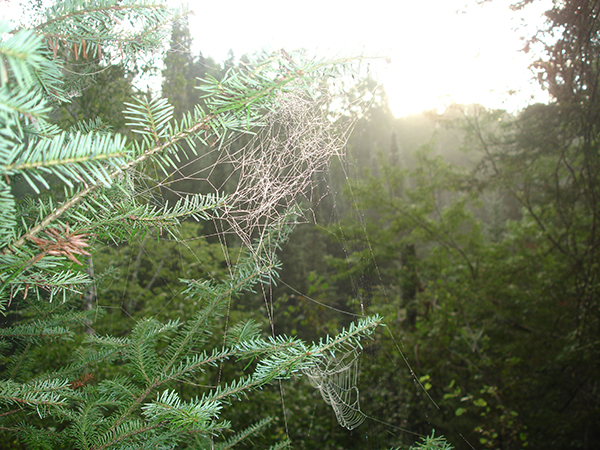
<point x="277" y="166"/>
<point x="264" y="175"/>
<point x="336" y="378"/>
<point x="271" y="179"/>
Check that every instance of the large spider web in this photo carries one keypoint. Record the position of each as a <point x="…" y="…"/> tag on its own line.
<point x="277" y="166"/>
<point x="264" y="176"/>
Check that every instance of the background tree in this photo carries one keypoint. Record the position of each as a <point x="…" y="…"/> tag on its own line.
<point x="505" y="260"/>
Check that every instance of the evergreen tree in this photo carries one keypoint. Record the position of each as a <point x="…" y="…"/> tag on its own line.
<point x="506" y="320"/>
<point x="125" y="391"/>
<point x="180" y="74"/>
<point x="113" y="84"/>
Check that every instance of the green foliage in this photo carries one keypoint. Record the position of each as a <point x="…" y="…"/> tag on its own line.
<point x="63" y="384"/>
<point x="432" y="442"/>
<point x="492" y="308"/>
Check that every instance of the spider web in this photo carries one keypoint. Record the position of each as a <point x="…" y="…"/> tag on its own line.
<point x="277" y="166"/>
<point x="267" y="175"/>
<point x="336" y="378"/>
<point x="264" y="177"/>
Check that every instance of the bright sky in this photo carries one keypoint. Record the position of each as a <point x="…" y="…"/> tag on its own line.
<point x="442" y="51"/>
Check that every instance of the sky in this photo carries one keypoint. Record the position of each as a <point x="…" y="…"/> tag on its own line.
<point x="441" y="51"/>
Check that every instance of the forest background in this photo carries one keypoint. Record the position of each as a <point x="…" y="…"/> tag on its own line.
<point x="473" y="232"/>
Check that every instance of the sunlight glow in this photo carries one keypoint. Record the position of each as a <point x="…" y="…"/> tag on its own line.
<point x="472" y="57"/>
<point x="442" y="51"/>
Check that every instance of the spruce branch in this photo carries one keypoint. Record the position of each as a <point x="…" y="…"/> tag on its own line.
<point x="105" y="9"/>
<point x="48" y="393"/>
<point x="83" y="29"/>
<point x="124" y="433"/>
<point x="237" y="102"/>
<point x="250" y="431"/>
<point x="141" y="407"/>
<point x="82" y="194"/>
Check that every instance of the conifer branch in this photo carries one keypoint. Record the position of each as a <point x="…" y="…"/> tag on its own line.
<point x="141" y="406"/>
<point x="77" y="198"/>
<point x="106" y="10"/>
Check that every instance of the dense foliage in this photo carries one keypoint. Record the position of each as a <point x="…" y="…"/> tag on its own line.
<point x="71" y="189"/>
<point x="484" y="265"/>
<point x="472" y="232"/>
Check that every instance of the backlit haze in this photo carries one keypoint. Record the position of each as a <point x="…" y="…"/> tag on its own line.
<point x="441" y="51"/>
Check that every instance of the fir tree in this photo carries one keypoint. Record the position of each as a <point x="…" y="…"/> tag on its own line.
<point x="46" y="238"/>
<point x="179" y="78"/>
